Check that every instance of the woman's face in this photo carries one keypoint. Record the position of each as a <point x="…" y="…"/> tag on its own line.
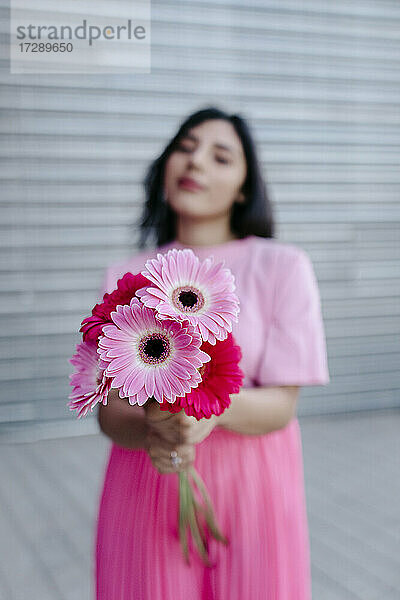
<point x="205" y="172"/>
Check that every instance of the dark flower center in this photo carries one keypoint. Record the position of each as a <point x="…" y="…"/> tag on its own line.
<point x="187" y="299"/>
<point x="154" y="348"/>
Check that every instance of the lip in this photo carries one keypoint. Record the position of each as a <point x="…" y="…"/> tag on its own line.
<point x="190" y="184"/>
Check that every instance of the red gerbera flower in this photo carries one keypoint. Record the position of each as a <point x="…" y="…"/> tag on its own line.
<point x="220" y="377"/>
<point x="127" y="286"/>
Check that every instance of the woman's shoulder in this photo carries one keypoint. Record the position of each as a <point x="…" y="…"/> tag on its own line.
<point x="132" y="264"/>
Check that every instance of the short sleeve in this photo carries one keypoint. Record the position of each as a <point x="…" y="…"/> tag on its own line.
<point x="295" y="345"/>
<point x="116" y="270"/>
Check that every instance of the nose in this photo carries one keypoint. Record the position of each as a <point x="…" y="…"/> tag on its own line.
<point x="197" y="157"/>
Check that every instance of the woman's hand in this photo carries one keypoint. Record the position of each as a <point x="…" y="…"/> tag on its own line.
<point x="178" y="428"/>
<point x="168" y="426"/>
<point x="194" y="431"/>
<point x="164" y="435"/>
<point x="173" y="432"/>
<point x="160" y="454"/>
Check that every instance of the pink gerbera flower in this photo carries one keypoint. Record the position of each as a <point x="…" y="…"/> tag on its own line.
<point x="220" y="378"/>
<point x="187" y="289"/>
<point x="148" y="357"/>
<point x="90" y="385"/>
<point x="127" y="287"/>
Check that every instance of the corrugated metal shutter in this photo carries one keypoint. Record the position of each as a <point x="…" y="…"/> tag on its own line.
<point x="320" y="84"/>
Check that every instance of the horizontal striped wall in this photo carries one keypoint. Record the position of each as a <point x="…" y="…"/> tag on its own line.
<point x="319" y="82"/>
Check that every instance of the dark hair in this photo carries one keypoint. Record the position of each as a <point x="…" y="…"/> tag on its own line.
<point x="251" y="217"/>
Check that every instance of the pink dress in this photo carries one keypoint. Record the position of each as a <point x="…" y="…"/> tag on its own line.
<point x="256" y="482"/>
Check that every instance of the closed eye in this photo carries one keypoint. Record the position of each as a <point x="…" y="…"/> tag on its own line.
<point x="182" y="148"/>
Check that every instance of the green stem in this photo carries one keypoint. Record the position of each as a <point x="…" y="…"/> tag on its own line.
<point x="189" y="512"/>
<point x="208" y="509"/>
<point x="188" y="519"/>
<point x="194" y="526"/>
<point x="183" y="516"/>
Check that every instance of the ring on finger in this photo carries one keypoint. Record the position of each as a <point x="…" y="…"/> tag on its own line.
<point x="175" y="459"/>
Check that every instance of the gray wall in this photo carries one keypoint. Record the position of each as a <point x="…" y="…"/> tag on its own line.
<point x="320" y="84"/>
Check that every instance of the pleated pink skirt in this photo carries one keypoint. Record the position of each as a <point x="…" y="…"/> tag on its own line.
<point x="257" y="487"/>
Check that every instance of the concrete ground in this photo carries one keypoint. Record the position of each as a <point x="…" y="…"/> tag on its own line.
<point x="352" y="477"/>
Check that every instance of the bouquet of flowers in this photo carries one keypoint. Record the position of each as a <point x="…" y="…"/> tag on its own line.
<point x="164" y="335"/>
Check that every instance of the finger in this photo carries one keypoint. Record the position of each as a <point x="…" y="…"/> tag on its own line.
<point x="164" y="452"/>
<point x="173" y="420"/>
<point x="165" y="466"/>
<point x="170" y="435"/>
<point x="169" y="442"/>
<point x="161" y="456"/>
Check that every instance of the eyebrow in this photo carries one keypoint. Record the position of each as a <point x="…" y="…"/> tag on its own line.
<point x="217" y="145"/>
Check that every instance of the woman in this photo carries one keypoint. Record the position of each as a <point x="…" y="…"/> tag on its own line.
<point x="205" y="191"/>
